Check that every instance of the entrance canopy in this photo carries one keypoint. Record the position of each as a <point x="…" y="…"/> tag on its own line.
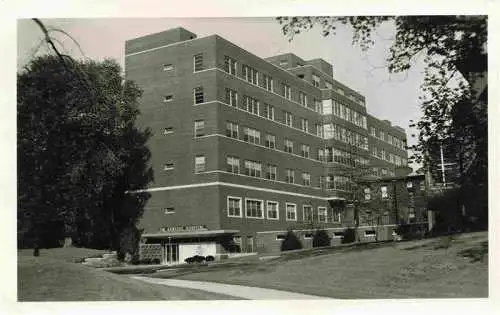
<point x="188" y="234"/>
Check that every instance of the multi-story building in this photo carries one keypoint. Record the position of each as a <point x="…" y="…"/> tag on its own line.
<point x="244" y="148"/>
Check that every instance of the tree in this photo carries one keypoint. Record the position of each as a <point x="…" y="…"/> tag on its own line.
<point x="291" y="242"/>
<point x="79" y="149"/>
<point x="454" y="50"/>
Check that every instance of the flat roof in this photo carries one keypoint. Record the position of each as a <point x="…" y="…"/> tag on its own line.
<point x="189" y="234"/>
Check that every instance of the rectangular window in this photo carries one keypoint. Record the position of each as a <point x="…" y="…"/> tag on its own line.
<point x="315" y="80"/>
<point x="306" y="179"/>
<point x="253" y="169"/>
<point x="288" y="146"/>
<point x="367" y="193"/>
<point x="231" y="97"/>
<point x="168" y="130"/>
<point x="382" y="135"/>
<point x="307" y="213"/>
<point x="302" y="98"/>
<point x="280" y="237"/>
<point x="283" y="63"/>
<point x="270" y="141"/>
<point x="169" y="210"/>
<point x="230" y="65"/>
<point x="383" y="191"/>
<point x="291" y="212"/>
<point x="336" y="215"/>
<point x="319" y="130"/>
<point x="327" y="107"/>
<point x="321" y="155"/>
<point x="272" y="210"/>
<point x="287" y="91"/>
<point x="290" y="176"/>
<point x="168" y="167"/>
<point x="304" y="150"/>
<point x="232" y="129"/>
<point x="252" y="105"/>
<point x="317" y="106"/>
<point x="234" y="207"/>
<point x="328" y="85"/>
<point x="199" y="96"/>
<point x="271" y="171"/>
<point x="250" y="74"/>
<point x="288" y="118"/>
<point x="253" y="208"/>
<point x="199" y="128"/>
<point x="373" y="132"/>
<point x="199" y="164"/>
<point x="168" y="98"/>
<point x="304" y="125"/>
<point x="322" y="215"/>
<point x="233" y="164"/>
<point x="268" y="83"/>
<point x="340" y="91"/>
<point x="308" y="235"/>
<point x="168" y="67"/>
<point x="268" y="111"/>
<point x="251" y="135"/>
<point x="198" y="62"/>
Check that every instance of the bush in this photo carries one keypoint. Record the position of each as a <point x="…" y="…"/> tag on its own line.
<point x="189" y="260"/>
<point x="290" y="242"/>
<point x="410" y="231"/>
<point x="145" y="261"/>
<point x="209" y="258"/>
<point x="321" y="238"/>
<point x="156" y="261"/>
<point x="349" y="236"/>
<point x="199" y="259"/>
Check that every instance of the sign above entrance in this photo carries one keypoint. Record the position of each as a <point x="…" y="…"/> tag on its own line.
<point x="184" y="228"/>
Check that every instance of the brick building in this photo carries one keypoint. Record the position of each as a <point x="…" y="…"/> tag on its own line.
<point x="245" y="148"/>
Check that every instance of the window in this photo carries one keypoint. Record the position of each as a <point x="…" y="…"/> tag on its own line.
<point x="169" y="210"/>
<point x="283" y="62"/>
<point x="302" y="99"/>
<point x="253" y="169"/>
<point x="231" y="97"/>
<point x="338" y="234"/>
<point x="271" y="171"/>
<point x="287" y="92"/>
<point x="280" y="237"/>
<point x="422" y="185"/>
<point x="199" y="96"/>
<point x="268" y="111"/>
<point x="233" y="164"/>
<point x="272" y="210"/>
<point x="232" y="129"/>
<point x="322" y="215"/>
<point x="268" y="83"/>
<point x="288" y="119"/>
<point x="304" y="125"/>
<point x="315" y="80"/>
<point x="230" y="65"/>
<point x="198" y="62"/>
<point x="199" y="126"/>
<point x="367" y="193"/>
<point x="251" y="135"/>
<point x="383" y="191"/>
<point x="319" y="130"/>
<point x="252" y="105"/>
<point x="168" y="130"/>
<point x="168" y="67"/>
<point x="328" y="85"/>
<point x="317" y="106"/>
<point x="270" y="141"/>
<point x="199" y="164"/>
<point x="409" y="184"/>
<point x="306" y="179"/>
<point x="291" y="212"/>
<point x="327" y="107"/>
<point x="168" y="167"/>
<point x="307" y="213"/>
<point x="382" y="135"/>
<point x="254" y="208"/>
<point x="168" y="98"/>
<point x="304" y="151"/>
<point x="236" y="248"/>
<point x="336" y="215"/>
<point x="250" y="74"/>
<point x="288" y="146"/>
<point x="321" y="155"/>
<point x="290" y="176"/>
<point x="308" y="235"/>
<point x="300" y="75"/>
<point x="340" y="91"/>
<point x="234" y="207"/>
<point x="370" y="233"/>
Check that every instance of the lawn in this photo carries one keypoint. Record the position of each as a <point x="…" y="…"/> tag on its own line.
<point x="54" y="277"/>
<point x="444" y="267"/>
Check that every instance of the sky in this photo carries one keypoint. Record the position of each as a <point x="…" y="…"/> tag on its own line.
<point x="391" y="97"/>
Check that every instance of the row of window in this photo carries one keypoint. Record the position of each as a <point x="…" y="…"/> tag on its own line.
<point x="254" y="208"/>
<point x="344" y="112"/>
<point x="389" y="157"/>
<point x="381" y="135"/>
<point x="334" y="131"/>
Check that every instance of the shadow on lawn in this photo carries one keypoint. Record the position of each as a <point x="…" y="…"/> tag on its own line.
<point x="478" y="253"/>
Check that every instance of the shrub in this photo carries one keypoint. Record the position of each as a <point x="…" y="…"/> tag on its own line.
<point x="189" y="260"/>
<point x="156" y="261"/>
<point x="145" y="261"/>
<point x="349" y="236"/>
<point x="321" y="238"/>
<point x="290" y="242"/>
<point x="209" y="258"/>
<point x="199" y="259"/>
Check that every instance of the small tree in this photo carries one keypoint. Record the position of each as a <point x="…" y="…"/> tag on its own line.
<point x="290" y="242"/>
<point x="321" y="238"/>
<point x="349" y="236"/>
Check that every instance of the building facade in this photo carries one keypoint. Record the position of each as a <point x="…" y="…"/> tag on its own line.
<point x="244" y="148"/>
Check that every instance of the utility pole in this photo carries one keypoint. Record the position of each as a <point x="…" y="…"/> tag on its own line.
<point x="442" y="165"/>
<point x="396" y="210"/>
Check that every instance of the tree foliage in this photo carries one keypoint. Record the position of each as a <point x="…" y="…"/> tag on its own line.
<point x="291" y="242"/>
<point x="79" y="150"/>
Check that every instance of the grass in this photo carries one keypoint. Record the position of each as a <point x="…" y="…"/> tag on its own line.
<point x="69" y="254"/>
<point x="446" y="267"/>
<point x="54" y="277"/>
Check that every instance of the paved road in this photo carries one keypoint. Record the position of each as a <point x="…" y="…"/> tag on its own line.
<point x="250" y="293"/>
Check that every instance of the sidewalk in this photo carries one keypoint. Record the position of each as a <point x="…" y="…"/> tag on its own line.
<point x="244" y="292"/>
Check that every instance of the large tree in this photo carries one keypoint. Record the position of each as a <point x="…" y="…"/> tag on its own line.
<point x="79" y="150"/>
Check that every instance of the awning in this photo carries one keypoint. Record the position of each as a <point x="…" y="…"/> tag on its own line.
<point x="335" y="198"/>
<point x="188" y="234"/>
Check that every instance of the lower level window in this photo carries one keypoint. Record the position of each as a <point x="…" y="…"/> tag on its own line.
<point x="291" y="212"/>
<point x="322" y="215"/>
<point x="234" y="207"/>
<point x="199" y="164"/>
<point x="254" y="208"/>
<point x="272" y="210"/>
